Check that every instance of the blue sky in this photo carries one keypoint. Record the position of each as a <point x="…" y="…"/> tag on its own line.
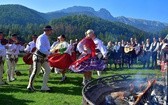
<point x="141" y="9"/>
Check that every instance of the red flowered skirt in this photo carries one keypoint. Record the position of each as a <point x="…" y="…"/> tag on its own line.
<point x="61" y="61"/>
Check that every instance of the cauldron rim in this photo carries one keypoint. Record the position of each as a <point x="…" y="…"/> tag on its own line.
<point x="124" y="77"/>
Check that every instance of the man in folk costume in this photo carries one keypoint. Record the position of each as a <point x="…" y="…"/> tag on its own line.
<point x="122" y="52"/>
<point x="127" y="55"/>
<point x="101" y="50"/>
<point x="160" y="41"/>
<point x="2" y="58"/>
<point x="61" y="56"/>
<point x="87" y="61"/>
<point x="30" y="49"/>
<point x="133" y="59"/>
<point x="56" y="70"/>
<point x="13" y="49"/>
<point x="154" y="48"/>
<point x="147" y="54"/>
<point x="40" y="59"/>
<point x="110" y="54"/>
<point x="117" y="54"/>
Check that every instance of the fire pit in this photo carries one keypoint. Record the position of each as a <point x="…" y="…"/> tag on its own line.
<point x="125" y="90"/>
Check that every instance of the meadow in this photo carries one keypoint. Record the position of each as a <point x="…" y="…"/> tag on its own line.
<point x="63" y="93"/>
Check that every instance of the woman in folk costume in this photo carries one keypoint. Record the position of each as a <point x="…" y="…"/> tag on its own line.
<point x="87" y="61"/>
<point x="61" y="57"/>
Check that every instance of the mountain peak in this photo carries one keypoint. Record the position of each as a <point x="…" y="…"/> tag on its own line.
<point x="102" y="13"/>
<point x="77" y="9"/>
<point x="105" y="14"/>
<point x="103" y="10"/>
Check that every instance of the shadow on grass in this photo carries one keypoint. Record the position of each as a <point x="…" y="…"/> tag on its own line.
<point x="62" y="89"/>
<point x="10" y="100"/>
<point x="69" y="80"/>
<point x="71" y="86"/>
<point x="77" y="91"/>
<point x="13" y="88"/>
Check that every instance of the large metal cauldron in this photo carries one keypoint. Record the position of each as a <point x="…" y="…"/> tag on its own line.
<point x="96" y="91"/>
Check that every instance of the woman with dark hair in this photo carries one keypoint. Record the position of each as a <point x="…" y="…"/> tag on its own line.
<point x="61" y="56"/>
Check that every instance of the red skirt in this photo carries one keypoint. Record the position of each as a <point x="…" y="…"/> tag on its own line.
<point x="28" y="58"/>
<point x="61" y="61"/>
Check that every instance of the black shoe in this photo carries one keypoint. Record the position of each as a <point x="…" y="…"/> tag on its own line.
<point x="3" y="83"/>
<point x="63" y="79"/>
<point x="6" y="83"/>
<point x="30" y="89"/>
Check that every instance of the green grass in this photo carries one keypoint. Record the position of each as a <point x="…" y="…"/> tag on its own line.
<point x="67" y="93"/>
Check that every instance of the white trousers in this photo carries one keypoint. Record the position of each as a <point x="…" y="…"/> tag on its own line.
<point x="57" y="70"/>
<point x="11" y="65"/>
<point x="30" y="69"/>
<point x="38" y="62"/>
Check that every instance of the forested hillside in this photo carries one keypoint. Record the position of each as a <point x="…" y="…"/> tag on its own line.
<point x="76" y="26"/>
<point x="17" y="14"/>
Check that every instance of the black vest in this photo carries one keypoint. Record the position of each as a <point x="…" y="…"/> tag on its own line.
<point x="160" y="46"/>
<point x="147" y="47"/>
<point x="153" y="47"/>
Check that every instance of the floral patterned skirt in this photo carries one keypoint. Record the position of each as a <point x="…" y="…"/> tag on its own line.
<point x="92" y="63"/>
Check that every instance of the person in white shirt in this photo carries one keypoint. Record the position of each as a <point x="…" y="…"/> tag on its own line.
<point x="55" y="43"/>
<point x="154" y="48"/>
<point x="40" y="59"/>
<point x="31" y="45"/>
<point x="101" y="50"/>
<point x="2" y="58"/>
<point x="13" y="49"/>
<point x="30" y="48"/>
